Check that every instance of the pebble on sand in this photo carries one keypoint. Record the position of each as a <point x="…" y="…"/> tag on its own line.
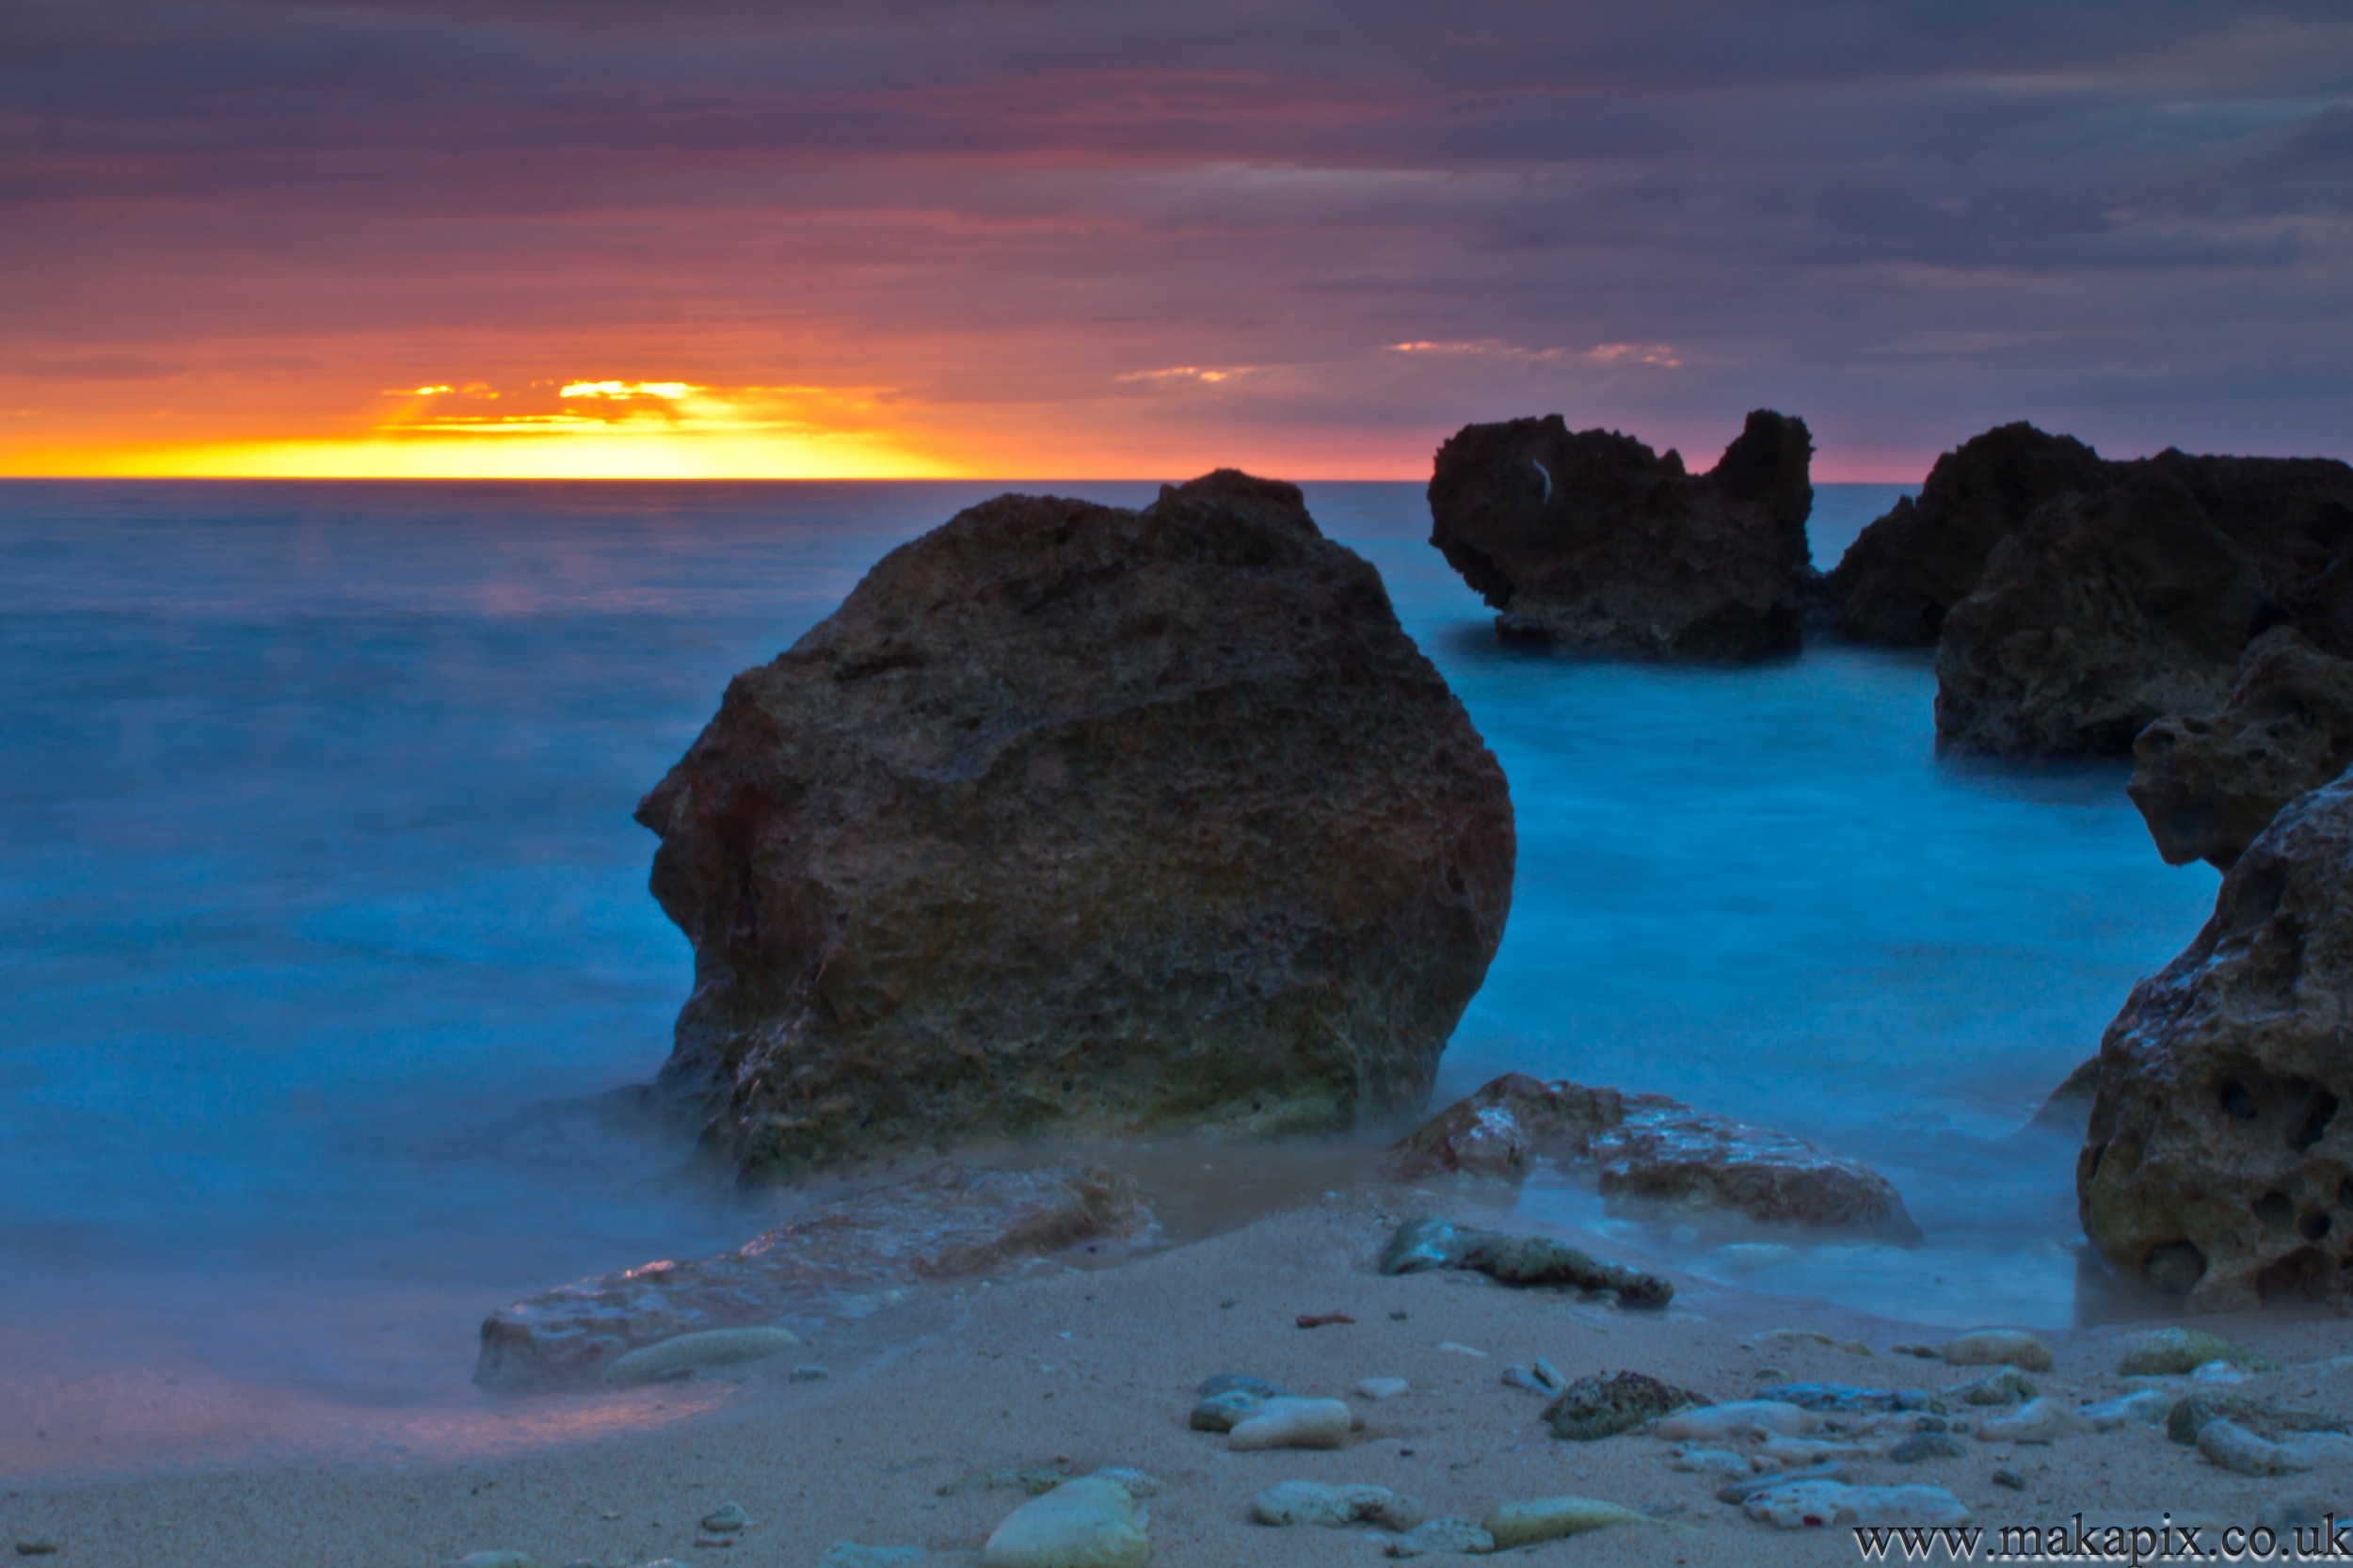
<point x="727" y="1518"/>
<point x="1817" y="1503"/>
<point x="1922" y="1446"/>
<point x="1441" y="1536"/>
<point x="498" y="1559"/>
<point x="1291" y="1422"/>
<point x="1999" y="1347"/>
<point x="1307" y="1502"/>
<point x="849" y="1554"/>
<point x="1381" y="1388"/>
<point x="2176" y="1352"/>
<point x="2234" y="1448"/>
<point x="2035" y="1421"/>
<point x="1087" y="1523"/>
<point x="2145" y="1408"/>
<point x="1742" y="1419"/>
<point x="1548" y="1518"/>
<point x="690" y="1353"/>
<point x="2008" y="1387"/>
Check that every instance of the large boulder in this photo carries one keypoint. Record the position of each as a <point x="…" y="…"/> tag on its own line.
<point x="1654" y="1150"/>
<point x="1590" y="540"/>
<point x="2102" y="613"/>
<point x="2208" y="783"/>
<point x="2216" y="1161"/>
<point x="1904" y="573"/>
<point x="1083" y="817"/>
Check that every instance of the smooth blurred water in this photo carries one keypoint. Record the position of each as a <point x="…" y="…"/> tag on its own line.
<point x="318" y="884"/>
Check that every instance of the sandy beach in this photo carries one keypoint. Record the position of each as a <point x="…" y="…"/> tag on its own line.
<point x="1079" y="1368"/>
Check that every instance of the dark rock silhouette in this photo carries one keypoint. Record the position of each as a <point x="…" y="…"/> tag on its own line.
<point x="2216" y="1161"/>
<point x="1074" y="816"/>
<point x="2073" y="600"/>
<point x="1905" y="572"/>
<point x="2099" y="614"/>
<point x="1590" y="540"/>
<point x="2208" y="783"/>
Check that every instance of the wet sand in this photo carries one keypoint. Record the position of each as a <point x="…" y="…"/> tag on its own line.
<point x="1083" y="1368"/>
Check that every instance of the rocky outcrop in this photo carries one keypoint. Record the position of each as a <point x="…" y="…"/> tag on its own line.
<point x="831" y="1262"/>
<point x="1590" y="540"/>
<point x="2099" y="614"/>
<point x="2216" y="1161"/>
<point x="2208" y="783"/>
<point x="1078" y="817"/>
<point x="1651" y="1149"/>
<point x="1906" y="572"/>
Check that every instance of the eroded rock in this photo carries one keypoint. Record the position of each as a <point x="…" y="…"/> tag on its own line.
<point x="2177" y="1351"/>
<point x="1650" y="1148"/>
<point x="1524" y="1524"/>
<point x="1596" y="1407"/>
<point x="2207" y="783"/>
<point x="1083" y="817"/>
<point x="948" y="1220"/>
<point x="1590" y="540"/>
<point x="2217" y="1163"/>
<point x="1906" y="572"/>
<point x="1432" y="1242"/>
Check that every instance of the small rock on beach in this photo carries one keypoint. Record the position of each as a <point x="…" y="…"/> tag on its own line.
<point x="1088" y="1523"/>
<point x="1441" y="1536"/>
<point x="1999" y="1347"/>
<point x="1547" y="1518"/>
<point x="1597" y="1407"/>
<point x="1307" y="1502"/>
<point x="1291" y="1422"/>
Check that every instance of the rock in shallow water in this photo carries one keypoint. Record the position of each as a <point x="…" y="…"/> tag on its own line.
<point x="690" y="1353"/>
<point x="1650" y="1148"/>
<point x="1087" y="818"/>
<point x="1088" y="1523"/>
<point x="2217" y="1158"/>
<point x="1590" y="540"/>
<point x="947" y="1221"/>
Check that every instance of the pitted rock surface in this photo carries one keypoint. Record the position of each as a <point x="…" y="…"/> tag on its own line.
<point x="2208" y="783"/>
<point x="1086" y="819"/>
<point x="2217" y="1161"/>
<point x="1590" y="540"/>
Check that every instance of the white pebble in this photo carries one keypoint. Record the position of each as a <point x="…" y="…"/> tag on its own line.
<point x="1549" y="1518"/>
<point x="1441" y="1536"/>
<point x="1461" y="1349"/>
<point x="2234" y="1448"/>
<point x="1694" y="1460"/>
<point x="1291" y="1422"/>
<point x="2146" y="1408"/>
<point x="1713" y="1423"/>
<point x="1381" y="1388"/>
<point x="1087" y="1523"/>
<point x="688" y="1352"/>
<point x="2035" y="1421"/>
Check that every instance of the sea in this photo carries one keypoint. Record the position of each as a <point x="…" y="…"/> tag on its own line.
<point x="324" y="928"/>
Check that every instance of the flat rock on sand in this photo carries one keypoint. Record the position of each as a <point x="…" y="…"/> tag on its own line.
<point x="948" y="1220"/>
<point x="1079" y="819"/>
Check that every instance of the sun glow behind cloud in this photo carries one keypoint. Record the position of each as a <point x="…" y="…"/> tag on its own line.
<point x="579" y="429"/>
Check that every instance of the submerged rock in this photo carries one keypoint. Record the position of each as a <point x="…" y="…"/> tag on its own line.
<point x="1431" y="1242"/>
<point x="2217" y="1163"/>
<point x="1647" y="1147"/>
<point x="1590" y="539"/>
<point x="1596" y="1407"/>
<point x="1082" y="818"/>
<point x="948" y="1220"/>
<point x="2206" y="784"/>
<point x="685" y="1354"/>
<point x="1906" y="572"/>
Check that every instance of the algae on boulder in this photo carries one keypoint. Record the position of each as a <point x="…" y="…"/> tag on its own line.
<point x="1075" y="817"/>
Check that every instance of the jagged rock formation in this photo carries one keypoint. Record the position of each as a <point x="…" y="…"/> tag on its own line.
<point x="2216" y="1161"/>
<point x="1074" y="816"/>
<point x="2208" y="783"/>
<point x="1906" y="572"/>
<point x="1590" y="540"/>
<point x="2100" y="613"/>
<point x="1650" y="1148"/>
<point x="2073" y="600"/>
<point x="947" y="1221"/>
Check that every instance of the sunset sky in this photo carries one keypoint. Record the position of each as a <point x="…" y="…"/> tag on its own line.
<point x="1045" y="239"/>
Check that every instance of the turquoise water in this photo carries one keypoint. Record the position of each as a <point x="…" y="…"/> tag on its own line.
<point x="321" y="909"/>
